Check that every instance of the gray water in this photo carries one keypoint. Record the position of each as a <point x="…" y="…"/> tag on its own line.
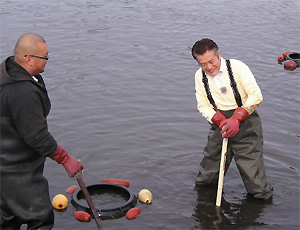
<point x="121" y="81"/>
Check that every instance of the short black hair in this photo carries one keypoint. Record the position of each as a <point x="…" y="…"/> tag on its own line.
<point x="203" y="45"/>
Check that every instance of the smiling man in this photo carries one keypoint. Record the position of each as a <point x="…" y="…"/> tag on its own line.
<point x="227" y="95"/>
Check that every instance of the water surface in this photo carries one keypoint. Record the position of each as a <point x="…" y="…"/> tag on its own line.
<point x="121" y="81"/>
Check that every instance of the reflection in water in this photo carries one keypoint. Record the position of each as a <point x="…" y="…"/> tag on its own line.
<point x="229" y="215"/>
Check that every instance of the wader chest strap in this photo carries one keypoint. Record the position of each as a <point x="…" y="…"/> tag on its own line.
<point x="207" y="90"/>
<point x="232" y="84"/>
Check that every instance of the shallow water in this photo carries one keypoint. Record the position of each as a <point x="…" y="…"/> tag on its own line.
<point x="108" y="200"/>
<point x="121" y="82"/>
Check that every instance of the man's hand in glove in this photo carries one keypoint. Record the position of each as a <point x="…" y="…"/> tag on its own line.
<point x="230" y="127"/>
<point x="71" y="164"/>
<point x="218" y="118"/>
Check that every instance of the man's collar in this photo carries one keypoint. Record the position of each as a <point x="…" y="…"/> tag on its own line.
<point x="222" y="65"/>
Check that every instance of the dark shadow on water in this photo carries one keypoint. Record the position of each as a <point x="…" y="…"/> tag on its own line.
<point x="229" y="215"/>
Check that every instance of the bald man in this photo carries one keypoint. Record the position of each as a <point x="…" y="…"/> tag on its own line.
<point x="25" y="139"/>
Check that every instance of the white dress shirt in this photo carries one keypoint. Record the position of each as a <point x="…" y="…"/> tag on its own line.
<point x="249" y="90"/>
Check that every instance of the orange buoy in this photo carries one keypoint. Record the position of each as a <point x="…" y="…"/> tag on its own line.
<point x="281" y="58"/>
<point x="72" y="189"/>
<point x="82" y="216"/>
<point x="133" y="213"/>
<point x="290" y="65"/>
<point x="60" y="201"/>
<point x="116" y="181"/>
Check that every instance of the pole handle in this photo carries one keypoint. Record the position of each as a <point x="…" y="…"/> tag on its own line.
<point x="222" y="171"/>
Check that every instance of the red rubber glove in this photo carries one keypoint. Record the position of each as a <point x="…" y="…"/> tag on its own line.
<point x="230" y="127"/>
<point x="218" y="117"/>
<point x="71" y="164"/>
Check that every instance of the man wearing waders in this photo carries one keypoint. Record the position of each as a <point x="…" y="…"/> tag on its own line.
<point x="25" y="139"/>
<point x="227" y="95"/>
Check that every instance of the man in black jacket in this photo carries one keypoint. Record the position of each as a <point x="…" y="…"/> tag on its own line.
<point x="25" y="139"/>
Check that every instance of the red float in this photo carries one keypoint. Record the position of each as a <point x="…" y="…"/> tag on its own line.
<point x="290" y="65"/>
<point x="286" y="53"/>
<point x="82" y="216"/>
<point x="116" y="181"/>
<point x="72" y="189"/>
<point x="133" y="213"/>
<point x="280" y="58"/>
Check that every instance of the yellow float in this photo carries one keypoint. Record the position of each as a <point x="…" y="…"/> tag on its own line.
<point x="60" y="201"/>
<point x="145" y="196"/>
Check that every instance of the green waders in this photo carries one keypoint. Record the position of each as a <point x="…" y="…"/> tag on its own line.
<point x="246" y="147"/>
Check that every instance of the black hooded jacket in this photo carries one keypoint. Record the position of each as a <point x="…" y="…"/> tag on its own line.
<point x="25" y="139"/>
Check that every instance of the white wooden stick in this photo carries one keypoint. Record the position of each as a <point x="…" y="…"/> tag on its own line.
<point x="221" y="172"/>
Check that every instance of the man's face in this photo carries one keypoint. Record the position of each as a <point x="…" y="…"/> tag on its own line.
<point x="210" y="62"/>
<point x="39" y="64"/>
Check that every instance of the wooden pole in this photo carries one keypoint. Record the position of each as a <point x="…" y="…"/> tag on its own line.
<point x="221" y="171"/>
<point x="89" y="201"/>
